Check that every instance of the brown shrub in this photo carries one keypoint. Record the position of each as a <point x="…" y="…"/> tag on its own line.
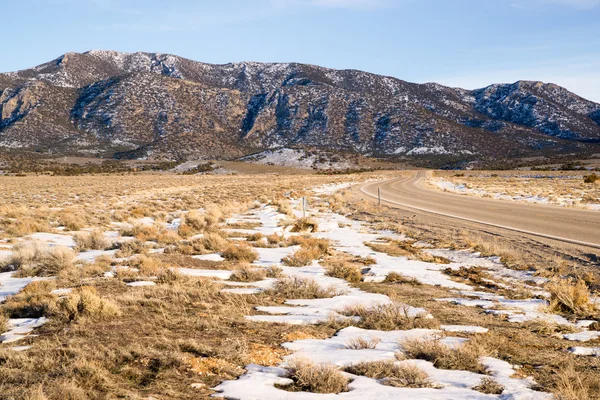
<point x="570" y="296"/>
<point x="315" y="378"/>
<point x="391" y="374"/>
<point x="85" y="302"/>
<point x="359" y="343"/>
<point x="389" y="317"/>
<point x="305" y="225"/>
<point x="3" y="322"/>
<point x="395" y="277"/>
<point x="130" y="247"/>
<point x="36" y="259"/>
<point x="462" y="357"/>
<point x="246" y="273"/>
<point x="295" y="287"/>
<point x="211" y="242"/>
<point x="239" y="252"/>
<point x="94" y="240"/>
<point x="489" y="386"/>
<point x="72" y="221"/>
<point x="34" y="301"/>
<point x="195" y="220"/>
<point x="344" y="270"/>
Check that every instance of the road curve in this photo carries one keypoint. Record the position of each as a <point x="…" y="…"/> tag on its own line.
<point x="568" y="225"/>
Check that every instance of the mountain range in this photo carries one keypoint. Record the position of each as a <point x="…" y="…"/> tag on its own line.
<point x="160" y="106"/>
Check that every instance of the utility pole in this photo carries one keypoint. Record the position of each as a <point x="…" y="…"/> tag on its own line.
<point x="378" y="195"/>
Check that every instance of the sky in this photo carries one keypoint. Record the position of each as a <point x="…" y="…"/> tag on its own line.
<point x="464" y="43"/>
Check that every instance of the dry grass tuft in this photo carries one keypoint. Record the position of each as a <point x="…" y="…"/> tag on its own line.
<point x="3" y="322"/>
<point x="211" y="366"/>
<point x="344" y="270"/>
<point x="463" y="357"/>
<point x="396" y="277"/>
<point x="489" y="386"/>
<point x="389" y="317"/>
<point x="94" y="240"/>
<point x="570" y="296"/>
<point x="34" y="301"/>
<point x="195" y="220"/>
<point x="211" y="242"/>
<point x="358" y="343"/>
<point x="84" y="302"/>
<point x="571" y="384"/>
<point x="392" y="374"/>
<point x="246" y="273"/>
<point x="405" y="248"/>
<point x="295" y="287"/>
<point x="239" y="252"/>
<point x="311" y="249"/>
<point x="36" y="259"/>
<point x="315" y="378"/>
<point x="72" y="221"/>
<point x="305" y="225"/>
<point x="131" y="247"/>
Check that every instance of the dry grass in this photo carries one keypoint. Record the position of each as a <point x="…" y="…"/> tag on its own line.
<point x="571" y="384"/>
<point x="246" y="273"/>
<point x="392" y="374"/>
<point x="72" y="221"/>
<point x="196" y="221"/>
<point x="389" y="317"/>
<point x="130" y="247"/>
<point x="489" y="386"/>
<point x="84" y="302"/>
<point x="570" y="296"/>
<point x="36" y="259"/>
<point x="315" y="378"/>
<point x="94" y="240"/>
<point x="359" y="343"/>
<point x="463" y="357"/>
<point x="34" y="301"/>
<point x="239" y="252"/>
<point x="211" y="242"/>
<point x="344" y="270"/>
<point x="3" y="322"/>
<point x="142" y="353"/>
<point x="396" y="277"/>
<point x="305" y="225"/>
<point x="311" y="249"/>
<point x="405" y="248"/>
<point x="294" y="287"/>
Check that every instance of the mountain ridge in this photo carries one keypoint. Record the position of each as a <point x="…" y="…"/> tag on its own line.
<point x="158" y="105"/>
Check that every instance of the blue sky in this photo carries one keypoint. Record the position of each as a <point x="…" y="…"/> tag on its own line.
<point x="466" y="43"/>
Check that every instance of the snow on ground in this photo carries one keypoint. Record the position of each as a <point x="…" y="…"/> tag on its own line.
<point x="515" y="310"/>
<point x="10" y="286"/>
<point x="448" y="186"/>
<point x="295" y="158"/>
<point x="350" y="237"/>
<point x="19" y="328"/>
<point x="141" y="283"/>
<point x="585" y="351"/>
<point x="206" y="273"/>
<point x="53" y="239"/>
<point x="209" y="257"/>
<point x="584" y="336"/>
